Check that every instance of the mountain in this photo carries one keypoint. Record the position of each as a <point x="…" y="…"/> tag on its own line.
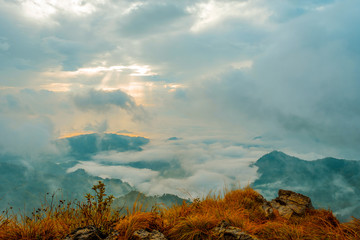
<point x="22" y="186"/>
<point x="25" y="181"/>
<point x="329" y="182"/>
<point x="147" y="202"/>
<point x="85" y="145"/>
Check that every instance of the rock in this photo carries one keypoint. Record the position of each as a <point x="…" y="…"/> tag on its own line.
<point x="266" y="206"/>
<point x="85" y="233"/>
<point x="145" y="235"/>
<point x="226" y="232"/>
<point x="283" y="210"/>
<point x="113" y="235"/>
<point x="268" y="209"/>
<point x="289" y="203"/>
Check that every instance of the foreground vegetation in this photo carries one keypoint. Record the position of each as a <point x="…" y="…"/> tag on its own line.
<point x="240" y="208"/>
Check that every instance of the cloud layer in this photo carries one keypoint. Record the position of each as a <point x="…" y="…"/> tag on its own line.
<point x="182" y="167"/>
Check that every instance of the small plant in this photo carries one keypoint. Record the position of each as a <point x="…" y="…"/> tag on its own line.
<point x="55" y="221"/>
<point x="96" y="210"/>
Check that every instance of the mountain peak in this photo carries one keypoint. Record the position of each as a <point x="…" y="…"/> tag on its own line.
<point x="276" y="158"/>
<point x="276" y="153"/>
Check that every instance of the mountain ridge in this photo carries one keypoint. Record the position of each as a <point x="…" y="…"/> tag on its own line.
<point x="330" y="182"/>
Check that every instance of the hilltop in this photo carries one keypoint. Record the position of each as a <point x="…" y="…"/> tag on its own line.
<point x="236" y="214"/>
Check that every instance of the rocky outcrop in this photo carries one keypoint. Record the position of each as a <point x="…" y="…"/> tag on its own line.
<point x="226" y="232"/>
<point x="290" y="203"/>
<point x="265" y="206"/>
<point x="85" y="233"/>
<point x="145" y="235"/>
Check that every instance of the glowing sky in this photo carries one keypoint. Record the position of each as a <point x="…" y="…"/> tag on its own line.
<point x="278" y="74"/>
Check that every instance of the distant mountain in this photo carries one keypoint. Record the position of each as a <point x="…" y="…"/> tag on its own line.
<point x="26" y="182"/>
<point x="329" y="182"/>
<point x="147" y="202"/>
<point x="21" y="186"/>
<point x="85" y="145"/>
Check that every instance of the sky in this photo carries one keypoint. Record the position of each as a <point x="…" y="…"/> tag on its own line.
<point x="214" y="84"/>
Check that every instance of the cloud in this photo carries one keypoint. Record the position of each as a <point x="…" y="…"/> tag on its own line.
<point x="28" y="101"/>
<point x="152" y="18"/>
<point x="97" y="127"/>
<point x="198" y="185"/>
<point x="211" y="14"/>
<point x="43" y="9"/>
<point x="65" y="116"/>
<point x="99" y="100"/>
<point x="102" y="101"/>
<point x="131" y="175"/>
<point x="26" y="137"/>
<point x="300" y="87"/>
<point x="193" y="166"/>
<point x="4" y="45"/>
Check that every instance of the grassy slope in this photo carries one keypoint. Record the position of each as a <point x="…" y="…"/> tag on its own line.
<point x="241" y="208"/>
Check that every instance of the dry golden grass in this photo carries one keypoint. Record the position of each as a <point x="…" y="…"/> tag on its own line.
<point x="241" y="208"/>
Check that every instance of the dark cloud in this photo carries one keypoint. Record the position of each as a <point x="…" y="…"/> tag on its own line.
<point x="151" y="19"/>
<point x="100" y="100"/>
<point x="103" y="101"/>
<point x="173" y="139"/>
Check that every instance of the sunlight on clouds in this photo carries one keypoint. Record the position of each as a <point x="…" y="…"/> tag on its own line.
<point x="211" y="13"/>
<point x="136" y="70"/>
<point x="100" y="69"/>
<point x="133" y="7"/>
<point x="243" y="64"/>
<point x="57" y="87"/>
<point x="38" y="9"/>
<point x="42" y="9"/>
<point x="134" y="89"/>
<point x="112" y="78"/>
<point x="141" y="71"/>
<point x="172" y="87"/>
<point x="74" y="134"/>
<point x="141" y="90"/>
